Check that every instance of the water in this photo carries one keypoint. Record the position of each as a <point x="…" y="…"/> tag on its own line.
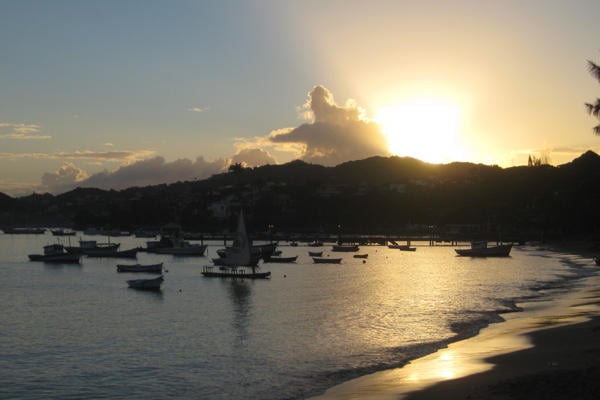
<point x="78" y="332"/>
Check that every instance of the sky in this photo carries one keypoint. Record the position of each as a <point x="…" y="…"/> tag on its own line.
<point x="120" y="93"/>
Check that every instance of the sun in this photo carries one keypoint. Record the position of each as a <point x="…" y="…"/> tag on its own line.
<point x="424" y="128"/>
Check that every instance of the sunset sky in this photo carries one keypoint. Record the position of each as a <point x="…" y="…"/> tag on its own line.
<point x="116" y="93"/>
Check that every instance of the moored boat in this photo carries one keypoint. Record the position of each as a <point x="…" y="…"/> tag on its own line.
<point x="62" y="232"/>
<point x="361" y="255"/>
<point x="146" y="284"/>
<point x="55" y="253"/>
<point x="345" y="247"/>
<point x="236" y="259"/>
<point x="326" y="260"/>
<point x="148" y="268"/>
<point x="315" y="253"/>
<point x="89" y="246"/>
<point x="129" y="253"/>
<point x="481" y="249"/>
<point x="281" y="259"/>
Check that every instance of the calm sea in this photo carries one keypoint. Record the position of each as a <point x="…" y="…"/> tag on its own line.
<point x="78" y="332"/>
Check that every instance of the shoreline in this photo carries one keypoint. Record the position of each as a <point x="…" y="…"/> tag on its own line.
<point x="553" y="347"/>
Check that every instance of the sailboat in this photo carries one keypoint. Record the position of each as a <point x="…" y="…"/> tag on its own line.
<point x="236" y="260"/>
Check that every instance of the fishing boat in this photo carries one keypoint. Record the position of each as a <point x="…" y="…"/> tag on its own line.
<point x="88" y="246"/>
<point x="315" y="253"/>
<point x="326" y="260"/>
<point x="597" y="260"/>
<point x="281" y="259"/>
<point x="102" y="253"/>
<point x="146" y="284"/>
<point x="55" y="253"/>
<point x="345" y="247"/>
<point x="149" y="268"/>
<point x="176" y="247"/>
<point x="237" y="259"/>
<point x="481" y="249"/>
<point x="361" y="255"/>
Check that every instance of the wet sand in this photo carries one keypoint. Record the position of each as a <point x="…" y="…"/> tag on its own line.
<point x="550" y="351"/>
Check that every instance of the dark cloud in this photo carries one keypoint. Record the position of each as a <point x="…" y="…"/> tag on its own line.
<point x="336" y="134"/>
<point x="155" y="171"/>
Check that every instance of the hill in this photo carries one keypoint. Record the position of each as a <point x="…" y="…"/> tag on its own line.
<point x="374" y="195"/>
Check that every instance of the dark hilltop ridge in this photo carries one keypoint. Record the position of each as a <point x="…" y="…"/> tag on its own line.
<point x="377" y="195"/>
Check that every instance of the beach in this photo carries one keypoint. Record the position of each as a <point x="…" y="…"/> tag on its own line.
<point x="551" y="350"/>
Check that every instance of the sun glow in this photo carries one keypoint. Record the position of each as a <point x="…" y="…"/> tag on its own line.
<point x="427" y="129"/>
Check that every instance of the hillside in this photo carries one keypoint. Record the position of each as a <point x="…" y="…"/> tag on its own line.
<point x="377" y="194"/>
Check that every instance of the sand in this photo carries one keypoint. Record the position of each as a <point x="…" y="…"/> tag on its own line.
<point x="550" y="351"/>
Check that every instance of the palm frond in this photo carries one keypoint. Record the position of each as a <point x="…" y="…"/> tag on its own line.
<point x="593" y="109"/>
<point x="594" y="69"/>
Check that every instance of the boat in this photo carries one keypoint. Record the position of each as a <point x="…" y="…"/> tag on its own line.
<point x="361" y="255"/>
<point x="326" y="260"/>
<point x="55" y="253"/>
<point x="146" y="284"/>
<point x="88" y="246"/>
<point x="481" y="249"/>
<point x="315" y="243"/>
<point x="281" y="259"/>
<point x="175" y="245"/>
<point x="62" y="232"/>
<point x="103" y="253"/>
<point x="237" y="259"/>
<point x="401" y="247"/>
<point x="315" y="253"/>
<point x="24" y="231"/>
<point x="345" y="247"/>
<point x="149" y="268"/>
<point x="597" y="260"/>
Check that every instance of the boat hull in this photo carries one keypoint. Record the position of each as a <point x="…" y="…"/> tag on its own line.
<point x="496" y="251"/>
<point x="318" y="260"/>
<point x="146" y="284"/>
<point x="151" y="268"/>
<point x="58" y="258"/>
<point x="211" y="272"/>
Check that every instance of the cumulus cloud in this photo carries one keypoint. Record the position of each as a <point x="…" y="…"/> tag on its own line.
<point x="336" y="133"/>
<point x="154" y="171"/>
<point x="253" y="157"/>
<point x="21" y="132"/>
<point x="63" y="179"/>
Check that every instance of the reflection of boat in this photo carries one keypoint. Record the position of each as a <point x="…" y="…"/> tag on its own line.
<point x="237" y="259"/>
<point x="361" y="255"/>
<point x="146" y="284"/>
<point x="89" y="246"/>
<point x="55" y="253"/>
<point x="315" y="253"/>
<point x="326" y="260"/>
<point x="345" y="247"/>
<point x="149" y="268"/>
<point x="281" y="259"/>
<point x="481" y="249"/>
<point x="129" y="253"/>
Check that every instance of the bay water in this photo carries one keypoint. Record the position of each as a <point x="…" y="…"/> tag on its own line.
<point x="78" y="331"/>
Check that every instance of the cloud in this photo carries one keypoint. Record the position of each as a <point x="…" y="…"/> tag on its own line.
<point x="126" y="156"/>
<point x="198" y="109"/>
<point x="21" y="131"/>
<point x="253" y="157"/>
<point x="155" y="171"/>
<point x="63" y="179"/>
<point x="336" y="133"/>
